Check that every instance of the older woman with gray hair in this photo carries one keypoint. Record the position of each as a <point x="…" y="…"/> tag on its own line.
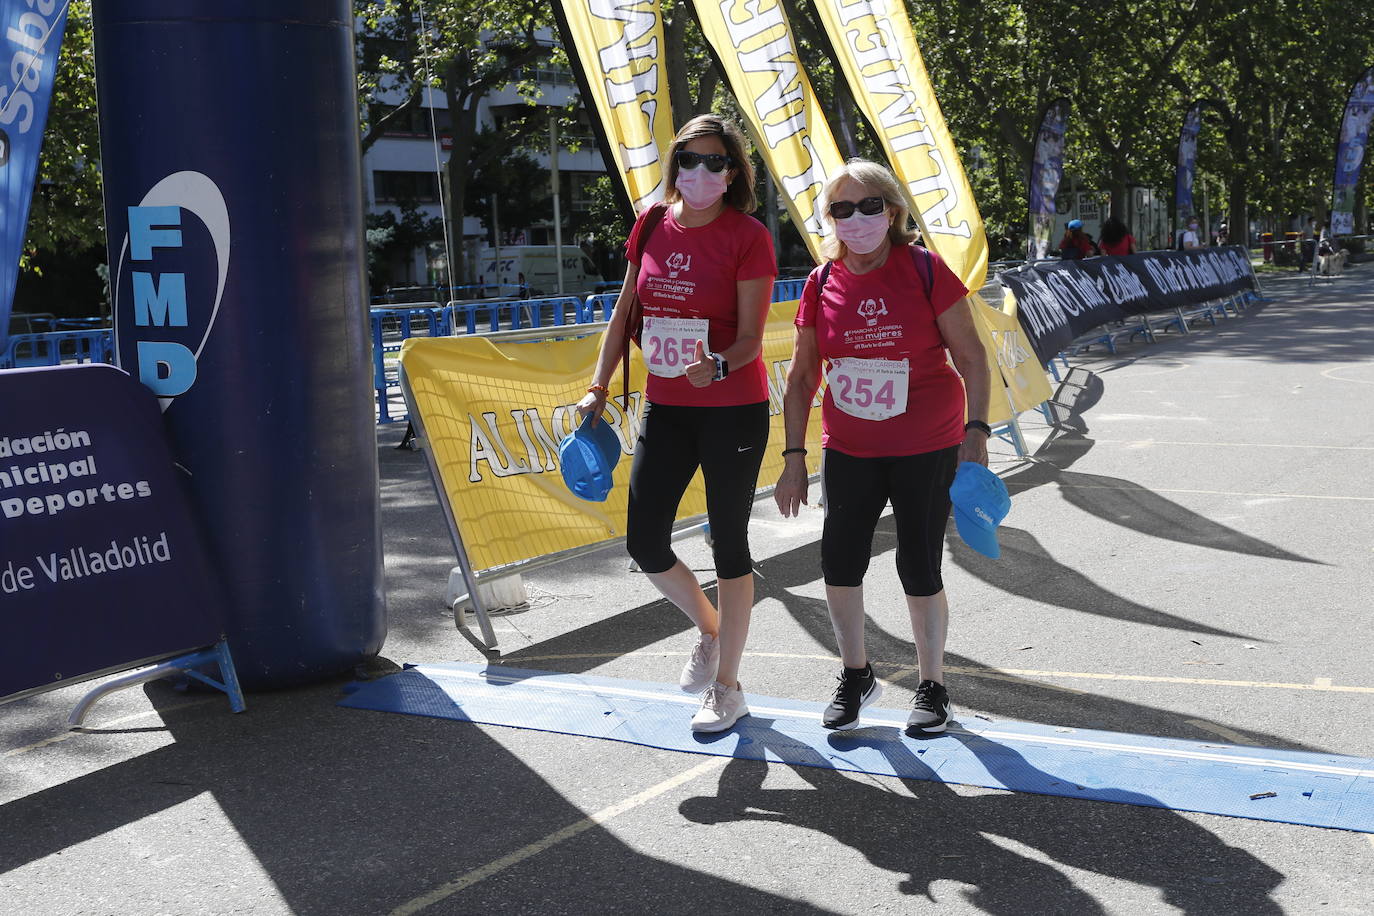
<point x="896" y="420"/>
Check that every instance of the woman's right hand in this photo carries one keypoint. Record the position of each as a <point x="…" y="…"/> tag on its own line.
<point x="594" y="402"/>
<point x="790" y="492"/>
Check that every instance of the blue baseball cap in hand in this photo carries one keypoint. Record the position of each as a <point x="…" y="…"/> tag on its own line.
<point x="980" y="503"/>
<point x="587" y="458"/>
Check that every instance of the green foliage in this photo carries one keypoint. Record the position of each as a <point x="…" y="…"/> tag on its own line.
<point x="67" y="212"/>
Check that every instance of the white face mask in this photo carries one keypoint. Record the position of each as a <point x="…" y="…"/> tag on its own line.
<point x="700" y="187"/>
<point x="862" y="234"/>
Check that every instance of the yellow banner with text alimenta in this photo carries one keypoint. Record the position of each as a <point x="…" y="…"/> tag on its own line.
<point x="494" y="412"/>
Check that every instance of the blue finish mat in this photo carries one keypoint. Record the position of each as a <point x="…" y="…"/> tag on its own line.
<point x="1318" y="790"/>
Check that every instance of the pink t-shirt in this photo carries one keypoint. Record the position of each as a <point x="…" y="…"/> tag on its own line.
<point x="691" y="273"/>
<point x="884" y="314"/>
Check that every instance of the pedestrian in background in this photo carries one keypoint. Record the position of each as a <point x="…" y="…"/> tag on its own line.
<point x="880" y="314"/>
<point x="1116" y="238"/>
<point x="703" y="270"/>
<point x="1077" y="244"/>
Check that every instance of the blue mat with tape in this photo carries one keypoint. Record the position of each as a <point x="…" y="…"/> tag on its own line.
<point x="1319" y="790"/>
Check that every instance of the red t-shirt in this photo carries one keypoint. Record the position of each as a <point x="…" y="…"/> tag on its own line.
<point x="900" y="324"/>
<point x="691" y="273"/>
<point x="1121" y="248"/>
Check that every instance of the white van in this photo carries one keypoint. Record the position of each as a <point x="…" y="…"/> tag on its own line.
<point x="531" y="271"/>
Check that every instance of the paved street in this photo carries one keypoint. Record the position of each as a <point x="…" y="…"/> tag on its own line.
<point x="1188" y="556"/>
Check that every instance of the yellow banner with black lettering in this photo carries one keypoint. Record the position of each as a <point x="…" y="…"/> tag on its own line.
<point x="754" y="47"/>
<point x="882" y="63"/>
<point x="617" y="46"/>
<point x="493" y="413"/>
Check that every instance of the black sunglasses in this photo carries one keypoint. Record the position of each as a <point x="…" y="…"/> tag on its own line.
<point x="714" y="161"/>
<point x="869" y="206"/>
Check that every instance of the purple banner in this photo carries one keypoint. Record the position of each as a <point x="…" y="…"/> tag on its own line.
<point x="1359" y="111"/>
<point x="32" y="37"/>
<point x="1187" y="164"/>
<point x="1047" y="167"/>
<point x="102" y="565"/>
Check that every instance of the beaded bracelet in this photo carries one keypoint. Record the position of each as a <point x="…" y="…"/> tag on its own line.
<point x="792" y="451"/>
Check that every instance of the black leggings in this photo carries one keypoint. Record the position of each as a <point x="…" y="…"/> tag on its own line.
<point x="727" y="443"/>
<point x="856" y="490"/>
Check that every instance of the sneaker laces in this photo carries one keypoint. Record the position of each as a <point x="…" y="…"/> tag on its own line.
<point x="701" y="652"/>
<point x="848" y="685"/>
<point x="926" y="692"/>
<point x="714" y="698"/>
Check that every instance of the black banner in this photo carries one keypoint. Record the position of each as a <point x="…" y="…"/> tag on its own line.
<point x="1059" y="301"/>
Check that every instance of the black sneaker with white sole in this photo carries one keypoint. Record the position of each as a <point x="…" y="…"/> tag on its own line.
<point x="858" y="687"/>
<point x="930" y="710"/>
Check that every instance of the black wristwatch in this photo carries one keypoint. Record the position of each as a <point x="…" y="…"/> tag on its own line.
<point x="722" y="367"/>
<point x="980" y="426"/>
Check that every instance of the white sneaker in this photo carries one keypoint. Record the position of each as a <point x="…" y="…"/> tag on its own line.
<point x="700" y="670"/>
<point x="721" y="707"/>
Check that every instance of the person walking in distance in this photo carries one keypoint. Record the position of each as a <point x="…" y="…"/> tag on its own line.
<point x="703" y="270"/>
<point x="895" y="421"/>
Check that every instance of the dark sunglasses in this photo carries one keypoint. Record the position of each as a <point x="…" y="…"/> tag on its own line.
<point x="714" y="161"/>
<point x="869" y="206"/>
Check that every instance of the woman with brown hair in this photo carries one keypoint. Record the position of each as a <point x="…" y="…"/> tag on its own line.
<point x="703" y="271"/>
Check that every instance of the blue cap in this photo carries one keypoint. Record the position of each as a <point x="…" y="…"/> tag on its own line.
<point x="1075" y="224"/>
<point x="587" y="458"/>
<point x="980" y="503"/>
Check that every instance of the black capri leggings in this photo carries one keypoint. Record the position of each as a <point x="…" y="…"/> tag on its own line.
<point x="856" y="490"/>
<point x="727" y="443"/>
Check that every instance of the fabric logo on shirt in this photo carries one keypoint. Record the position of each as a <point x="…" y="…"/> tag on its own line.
<point x="870" y="309"/>
<point x="678" y="263"/>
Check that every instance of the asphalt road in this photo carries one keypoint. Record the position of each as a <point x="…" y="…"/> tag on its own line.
<point x="1189" y="556"/>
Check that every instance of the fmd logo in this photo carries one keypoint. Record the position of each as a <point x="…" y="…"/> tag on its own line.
<point x="167" y="306"/>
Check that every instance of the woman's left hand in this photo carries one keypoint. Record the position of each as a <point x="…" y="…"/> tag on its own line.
<point x="974" y="447"/>
<point x="702" y="370"/>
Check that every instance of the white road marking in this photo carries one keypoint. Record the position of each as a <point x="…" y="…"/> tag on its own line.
<point x="1327" y="373"/>
<point x="1321" y="684"/>
<point x="1142" y="443"/>
<point x="1077" y="486"/>
<point x="895" y="717"/>
<point x="444" y="891"/>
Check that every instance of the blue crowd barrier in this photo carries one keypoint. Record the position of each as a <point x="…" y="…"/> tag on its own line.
<point x="53" y="348"/>
<point x="392" y="325"/>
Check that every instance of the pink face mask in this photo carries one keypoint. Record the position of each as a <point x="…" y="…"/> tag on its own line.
<point x="862" y="234"/>
<point x="700" y="187"/>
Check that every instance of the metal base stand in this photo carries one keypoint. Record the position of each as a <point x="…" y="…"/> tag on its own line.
<point x="184" y="664"/>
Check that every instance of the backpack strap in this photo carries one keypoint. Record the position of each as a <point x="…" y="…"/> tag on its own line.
<point x="634" y="321"/>
<point x="924" y="266"/>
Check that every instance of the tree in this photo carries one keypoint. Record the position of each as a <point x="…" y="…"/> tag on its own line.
<point x="465" y="49"/>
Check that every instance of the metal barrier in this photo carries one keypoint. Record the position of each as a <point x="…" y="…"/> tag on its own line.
<point x="392" y="325"/>
<point x="54" y="348"/>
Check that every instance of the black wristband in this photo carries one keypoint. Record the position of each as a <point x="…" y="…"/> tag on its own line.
<point x="980" y="426"/>
<point x="793" y="451"/>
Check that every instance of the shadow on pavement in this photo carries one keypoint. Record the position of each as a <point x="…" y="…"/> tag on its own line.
<point x="344" y="812"/>
<point x="934" y="834"/>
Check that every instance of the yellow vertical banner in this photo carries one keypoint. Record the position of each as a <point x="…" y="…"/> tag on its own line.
<point x="882" y="63"/>
<point x="616" y="46"/>
<point x="1018" y="382"/>
<point x="754" y="46"/>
